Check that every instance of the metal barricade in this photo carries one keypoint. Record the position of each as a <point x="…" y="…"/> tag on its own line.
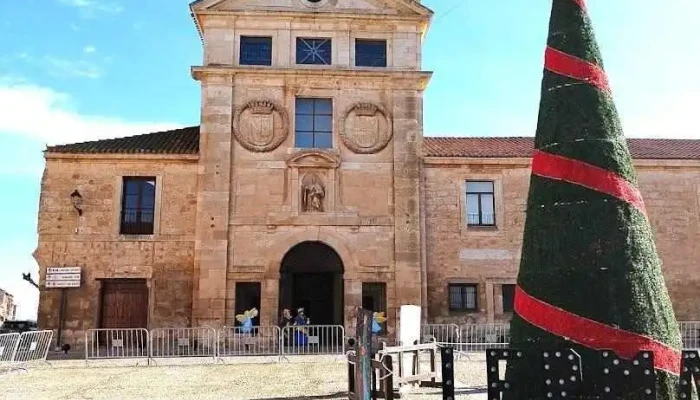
<point x="482" y="336"/>
<point x="183" y="342"/>
<point x="32" y="347"/>
<point x="116" y="344"/>
<point x="690" y="333"/>
<point x="8" y="343"/>
<point x="260" y="341"/>
<point x="440" y="333"/>
<point x="313" y="339"/>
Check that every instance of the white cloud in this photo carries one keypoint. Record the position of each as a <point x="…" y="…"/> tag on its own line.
<point x="62" y="68"/>
<point x="49" y="116"/>
<point x="92" y="8"/>
<point x="74" y="27"/>
<point x="89" y="49"/>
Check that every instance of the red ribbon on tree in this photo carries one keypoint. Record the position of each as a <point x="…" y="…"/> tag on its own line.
<point x="560" y="168"/>
<point x="593" y="334"/>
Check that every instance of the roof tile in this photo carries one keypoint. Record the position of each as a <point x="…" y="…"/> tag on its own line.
<point x="186" y="141"/>
<point x="178" y="141"/>
<point x="510" y="147"/>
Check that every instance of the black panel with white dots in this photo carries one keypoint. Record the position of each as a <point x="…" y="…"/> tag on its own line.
<point x="622" y="378"/>
<point x="561" y="372"/>
<point x="690" y="371"/>
<point x="496" y="386"/>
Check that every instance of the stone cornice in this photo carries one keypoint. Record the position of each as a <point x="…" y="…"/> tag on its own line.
<point x="334" y="15"/>
<point x="135" y="157"/>
<point x="417" y="80"/>
<point x="437" y="162"/>
<point x="457" y="161"/>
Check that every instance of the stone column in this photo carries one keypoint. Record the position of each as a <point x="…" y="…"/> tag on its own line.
<point x="408" y="126"/>
<point x="211" y="243"/>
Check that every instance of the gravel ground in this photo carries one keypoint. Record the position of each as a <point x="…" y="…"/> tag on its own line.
<point x="296" y="378"/>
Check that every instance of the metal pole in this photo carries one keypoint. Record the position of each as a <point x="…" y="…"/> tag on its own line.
<point x="61" y="306"/>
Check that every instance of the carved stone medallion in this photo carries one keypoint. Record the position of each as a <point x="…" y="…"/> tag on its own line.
<point x="260" y="126"/>
<point x="366" y="128"/>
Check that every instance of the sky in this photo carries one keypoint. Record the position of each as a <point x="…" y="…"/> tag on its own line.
<point x="75" y="70"/>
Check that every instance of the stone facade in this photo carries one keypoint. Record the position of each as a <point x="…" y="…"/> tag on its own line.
<point x="234" y="199"/>
<point x="8" y="308"/>
<point x="94" y="243"/>
<point x="490" y="256"/>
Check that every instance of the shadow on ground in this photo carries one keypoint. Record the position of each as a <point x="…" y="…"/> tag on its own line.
<point x="339" y="395"/>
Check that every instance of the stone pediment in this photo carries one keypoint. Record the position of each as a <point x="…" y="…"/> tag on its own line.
<point x="376" y="7"/>
<point x="314" y="159"/>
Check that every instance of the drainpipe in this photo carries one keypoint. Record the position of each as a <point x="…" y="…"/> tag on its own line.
<point x="423" y="246"/>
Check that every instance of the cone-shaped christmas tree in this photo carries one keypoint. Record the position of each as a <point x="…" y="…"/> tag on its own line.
<point x="590" y="277"/>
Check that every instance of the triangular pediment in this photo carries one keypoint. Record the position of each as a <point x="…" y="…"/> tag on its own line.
<point x="375" y="7"/>
<point x="315" y="159"/>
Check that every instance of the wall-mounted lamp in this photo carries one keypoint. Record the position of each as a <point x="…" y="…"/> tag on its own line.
<point x="77" y="201"/>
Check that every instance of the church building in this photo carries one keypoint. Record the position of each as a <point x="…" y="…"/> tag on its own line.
<point x="309" y="183"/>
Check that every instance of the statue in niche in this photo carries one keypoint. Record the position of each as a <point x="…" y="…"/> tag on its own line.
<point x="312" y="194"/>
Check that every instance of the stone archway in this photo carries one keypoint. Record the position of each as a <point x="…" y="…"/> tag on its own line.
<point x="311" y="276"/>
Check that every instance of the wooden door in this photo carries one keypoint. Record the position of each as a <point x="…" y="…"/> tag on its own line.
<point x="124" y="303"/>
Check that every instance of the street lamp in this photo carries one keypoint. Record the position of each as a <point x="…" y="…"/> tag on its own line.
<point x="77" y="201"/>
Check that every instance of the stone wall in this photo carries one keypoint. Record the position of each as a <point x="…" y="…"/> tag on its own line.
<point x="93" y="241"/>
<point x="250" y="205"/>
<point x="490" y="256"/>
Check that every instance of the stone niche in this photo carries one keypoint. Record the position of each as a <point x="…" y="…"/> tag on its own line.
<point x="313" y="175"/>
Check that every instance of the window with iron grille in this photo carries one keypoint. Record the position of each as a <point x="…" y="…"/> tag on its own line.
<point x="508" y="292"/>
<point x="314" y="51"/>
<point x="481" y="203"/>
<point x="313" y="123"/>
<point x="463" y="297"/>
<point x="256" y="50"/>
<point x="370" y="53"/>
<point x="374" y="298"/>
<point x="138" y="205"/>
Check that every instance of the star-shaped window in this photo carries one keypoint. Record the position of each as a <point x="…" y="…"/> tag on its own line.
<point x="314" y="51"/>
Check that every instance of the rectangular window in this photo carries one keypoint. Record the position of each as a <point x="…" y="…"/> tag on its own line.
<point x="508" y="292"/>
<point x="481" y="205"/>
<point x="248" y="297"/>
<point x="370" y="53"/>
<point x="318" y="51"/>
<point x="463" y="297"/>
<point x="313" y="123"/>
<point x="138" y="205"/>
<point x="256" y="50"/>
<point x="374" y="298"/>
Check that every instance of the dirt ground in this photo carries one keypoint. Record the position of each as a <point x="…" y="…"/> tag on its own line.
<point x="321" y="378"/>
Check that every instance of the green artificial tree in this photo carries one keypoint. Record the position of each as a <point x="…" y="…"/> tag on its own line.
<point x="590" y="277"/>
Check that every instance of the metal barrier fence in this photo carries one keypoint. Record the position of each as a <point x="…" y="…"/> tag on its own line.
<point x="690" y="333"/>
<point x="313" y="339"/>
<point x="32" y="347"/>
<point x="441" y="333"/>
<point x="8" y="343"/>
<point x="481" y="337"/>
<point x="183" y="342"/>
<point x="260" y="341"/>
<point x="116" y="343"/>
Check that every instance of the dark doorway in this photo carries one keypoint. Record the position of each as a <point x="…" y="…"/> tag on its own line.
<point x="312" y="278"/>
<point x="124" y="303"/>
<point x="248" y="297"/>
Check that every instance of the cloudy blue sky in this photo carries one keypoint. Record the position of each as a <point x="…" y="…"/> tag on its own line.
<point x="74" y="70"/>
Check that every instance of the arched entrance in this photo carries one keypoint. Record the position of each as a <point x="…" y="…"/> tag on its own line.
<point x="311" y="276"/>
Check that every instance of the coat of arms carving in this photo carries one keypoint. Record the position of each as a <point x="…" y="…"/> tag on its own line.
<point x="366" y="128"/>
<point x="260" y="126"/>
